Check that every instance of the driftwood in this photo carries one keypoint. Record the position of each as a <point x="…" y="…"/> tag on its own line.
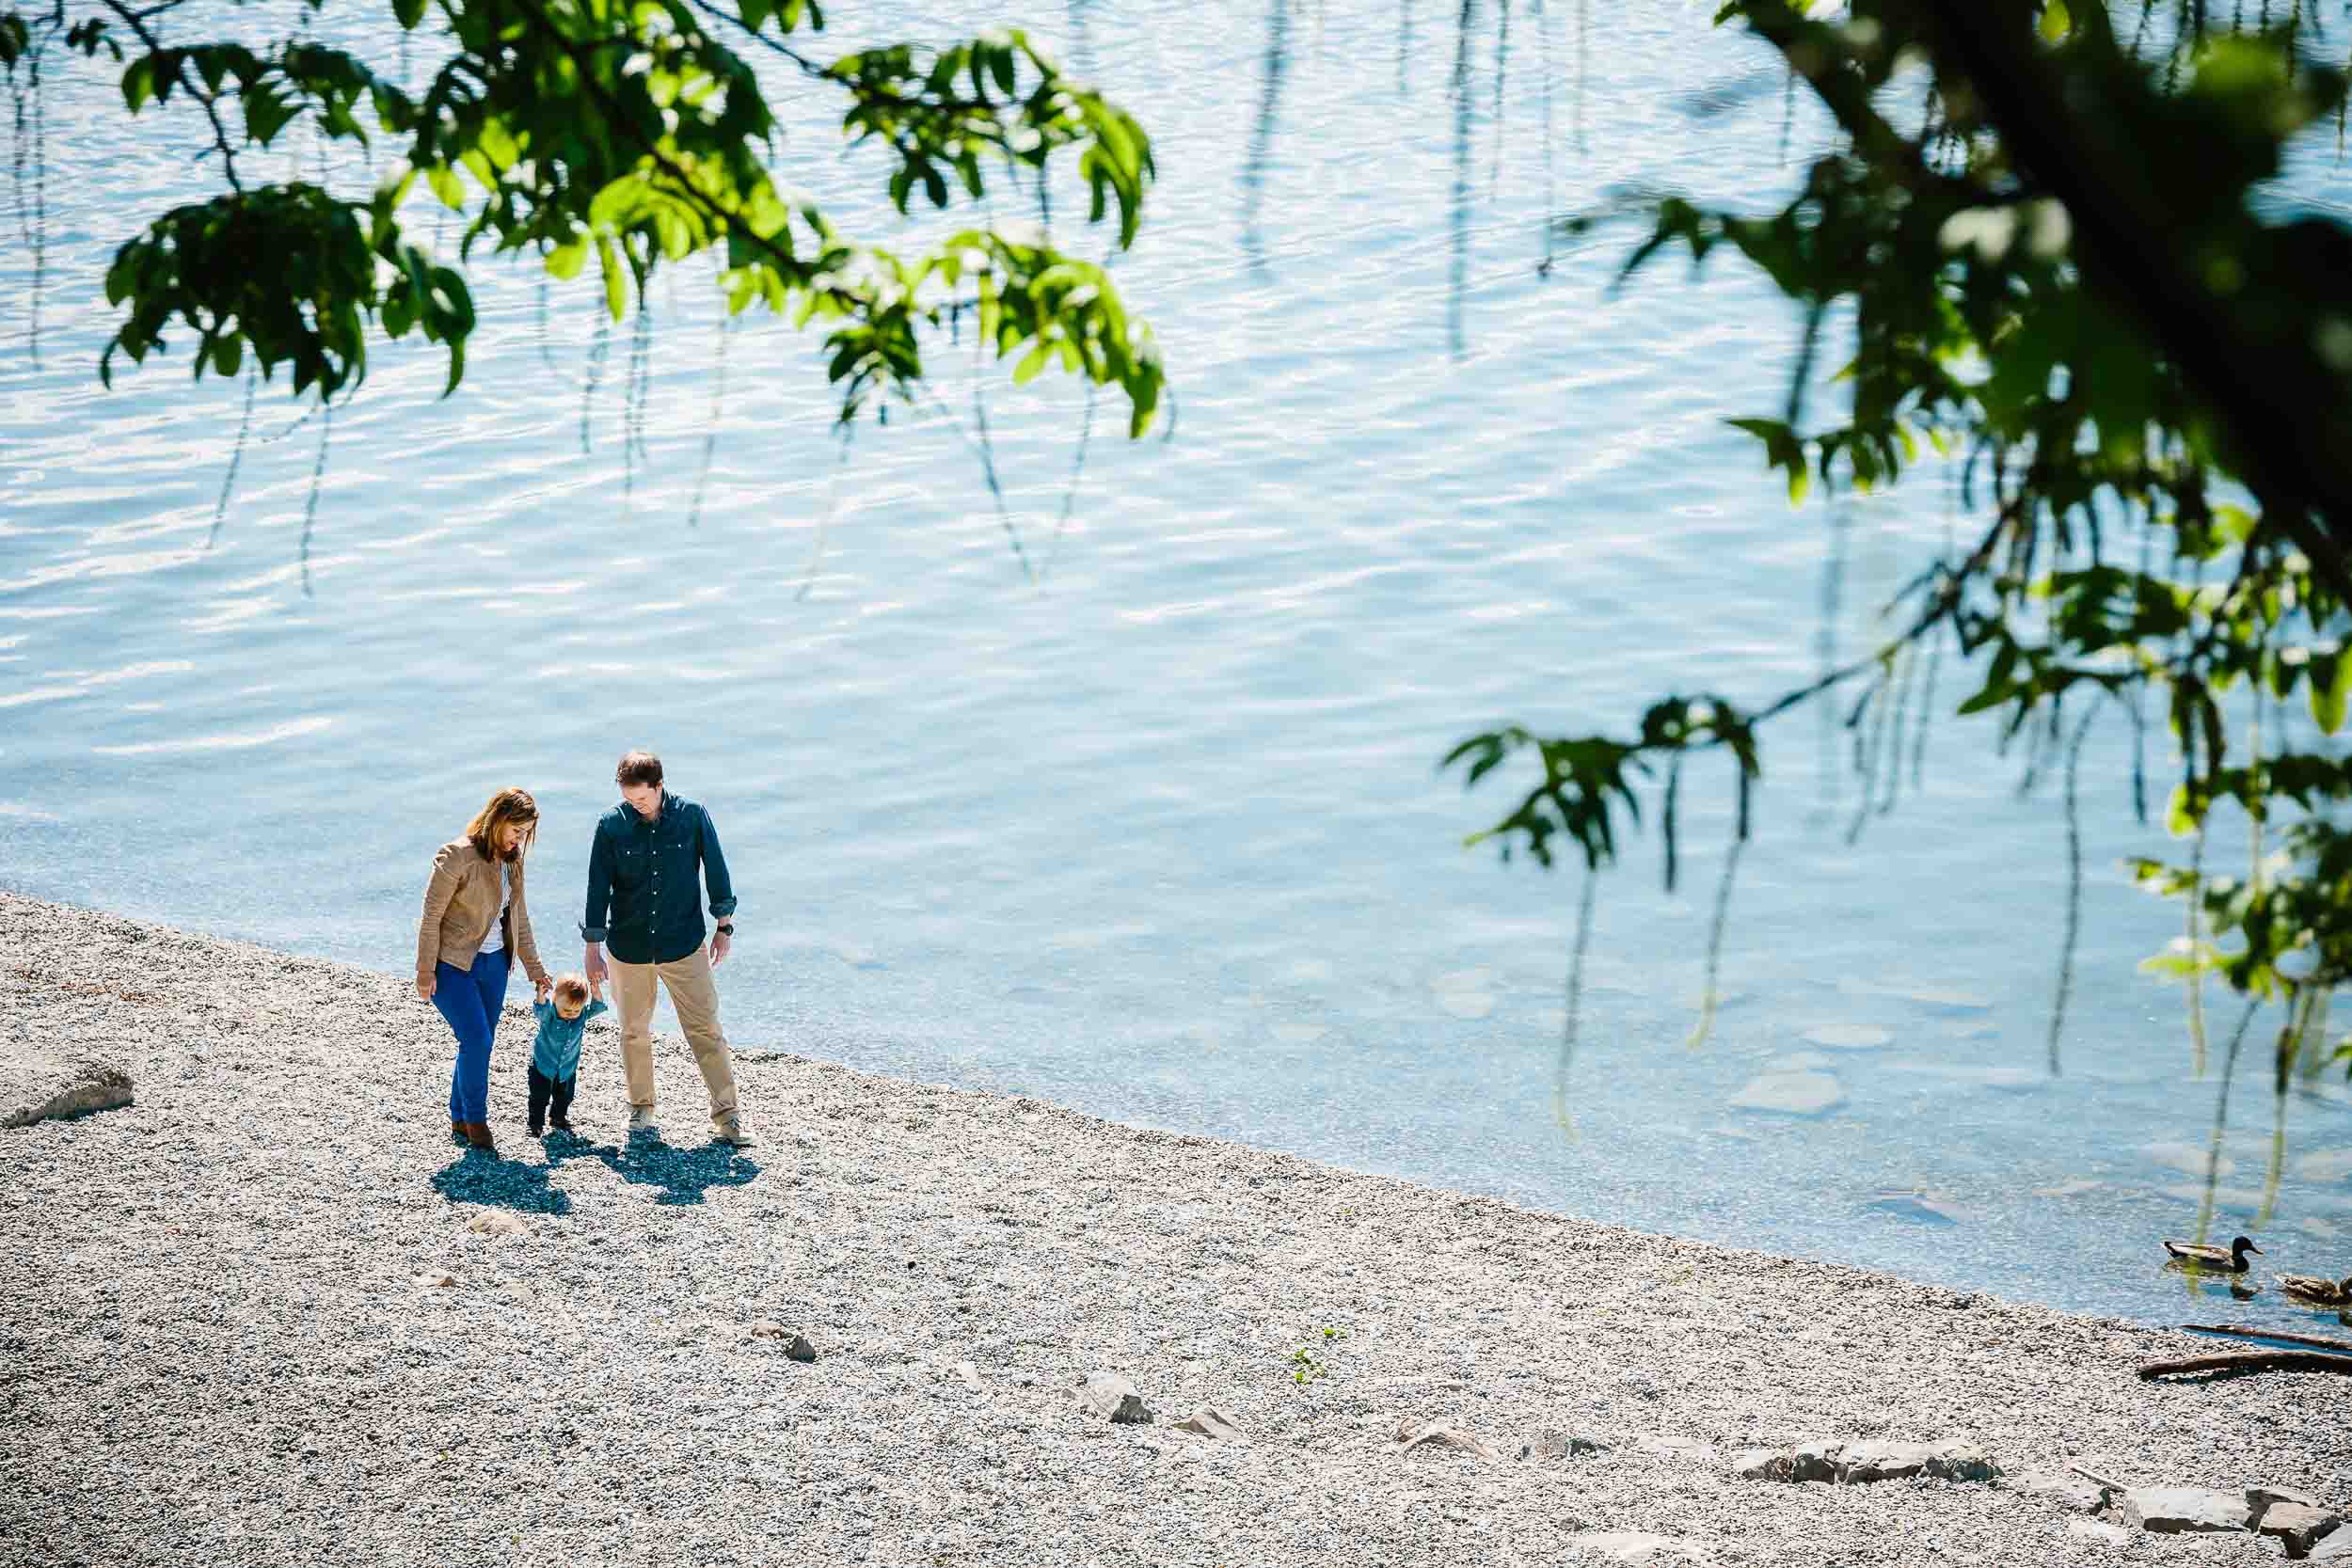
<point x="2344" y="1346"/>
<point x="2252" y="1361"/>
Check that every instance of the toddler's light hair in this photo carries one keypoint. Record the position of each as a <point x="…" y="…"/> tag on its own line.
<point x="570" y="988"/>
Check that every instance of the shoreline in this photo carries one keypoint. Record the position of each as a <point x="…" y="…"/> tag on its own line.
<point x="229" y="1342"/>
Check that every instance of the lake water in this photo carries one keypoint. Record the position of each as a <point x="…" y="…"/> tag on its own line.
<point x="1159" y="835"/>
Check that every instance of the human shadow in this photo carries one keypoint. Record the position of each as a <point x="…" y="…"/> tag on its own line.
<point x="476" y="1176"/>
<point x="682" y="1173"/>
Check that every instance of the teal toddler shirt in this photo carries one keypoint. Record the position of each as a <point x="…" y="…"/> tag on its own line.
<point x="556" y="1051"/>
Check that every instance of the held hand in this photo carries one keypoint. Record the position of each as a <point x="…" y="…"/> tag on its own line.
<point x="424" y="988"/>
<point x="542" y="988"/>
<point x="721" y="944"/>
<point x="595" y="965"/>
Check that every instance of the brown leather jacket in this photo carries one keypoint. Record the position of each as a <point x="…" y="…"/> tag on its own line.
<point x="461" y="901"/>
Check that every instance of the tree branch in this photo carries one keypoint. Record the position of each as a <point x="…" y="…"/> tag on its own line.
<point x="137" y="21"/>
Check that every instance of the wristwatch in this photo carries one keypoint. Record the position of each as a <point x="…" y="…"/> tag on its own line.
<point x="726" y="928"/>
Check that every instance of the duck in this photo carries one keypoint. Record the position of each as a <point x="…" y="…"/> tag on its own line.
<point x="2318" y="1292"/>
<point x="2205" y="1255"/>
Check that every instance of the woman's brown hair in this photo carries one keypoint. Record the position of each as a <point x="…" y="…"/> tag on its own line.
<point x="509" y="806"/>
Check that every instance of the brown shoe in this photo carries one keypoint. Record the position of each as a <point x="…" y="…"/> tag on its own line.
<point x="457" y="1131"/>
<point x="478" y="1135"/>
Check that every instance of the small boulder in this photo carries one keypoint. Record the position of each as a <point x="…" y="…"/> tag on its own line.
<point x="1792" y="1094"/>
<point x="2062" y="1487"/>
<point x="2334" y="1548"/>
<point x="2186" y="1509"/>
<point x="2100" y="1531"/>
<point x="1953" y="1459"/>
<point x="969" y="1376"/>
<point x="498" y="1221"/>
<point x="1414" y="1434"/>
<point x="2298" y="1527"/>
<point x="795" y="1347"/>
<point x="1111" y="1396"/>
<point x="1209" y="1421"/>
<point x="42" y="1086"/>
<point x="1852" y="1463"/>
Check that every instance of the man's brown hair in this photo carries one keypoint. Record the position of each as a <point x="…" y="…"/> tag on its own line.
<point x="638" y="768"/>
<point x="508" y="806"/>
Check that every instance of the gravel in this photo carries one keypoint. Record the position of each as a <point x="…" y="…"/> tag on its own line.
<point x="257" y="1317"/>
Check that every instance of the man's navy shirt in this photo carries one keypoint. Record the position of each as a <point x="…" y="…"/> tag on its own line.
<point x="642" y="876"/>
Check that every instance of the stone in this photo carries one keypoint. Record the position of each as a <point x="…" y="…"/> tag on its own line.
<point x="2099" y="1530"/>
<point x="2260" y="1498"/>
<point x="1816" y="1460"/>
<point x="1853" y="1463"/>
<point x="1209" y="1421"/>
<point x="435" y="1279"/>
<point x="1920" y="1207"/>
<point x="1559" y="1444"/>
<point x="2336" y="1547"/>
<point x="498" y="1221"/>
<point x="794" y="1346"/>
<point x="2298" y="1526"/>
<point x="1953" y="1459"/>
<point x="41" y="1085"/>
<point x="1793" y="1094"/>
<point x="1416" y="1435"/>
<point x="1637" y="1548"/>
<point x="2062" y="1487"/>
<point x="1111" y="1396"/>
<point x="1675" y="1447"/>
<point x="2186" y="1509"/>
<point x="969" y="1376"/>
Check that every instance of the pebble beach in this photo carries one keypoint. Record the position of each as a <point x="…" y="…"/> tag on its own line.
<point x="268" y="1313"/>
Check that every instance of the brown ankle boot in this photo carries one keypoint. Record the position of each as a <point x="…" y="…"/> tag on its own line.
<point x="478" y="1135"/>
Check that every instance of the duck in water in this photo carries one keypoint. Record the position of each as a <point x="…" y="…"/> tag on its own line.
<point x="2205" y="1255"/>
<point x="2314" y="1292"/>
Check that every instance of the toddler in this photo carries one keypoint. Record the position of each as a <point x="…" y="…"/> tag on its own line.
<point x="555" y="1054"/>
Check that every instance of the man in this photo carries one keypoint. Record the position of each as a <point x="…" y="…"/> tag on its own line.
<point x="650" y="855"/>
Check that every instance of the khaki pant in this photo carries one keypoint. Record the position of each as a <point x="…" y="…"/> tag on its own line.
<point x="697" y="1003"/>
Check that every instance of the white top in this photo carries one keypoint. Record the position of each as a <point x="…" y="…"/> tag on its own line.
<point x="495" y="938"/>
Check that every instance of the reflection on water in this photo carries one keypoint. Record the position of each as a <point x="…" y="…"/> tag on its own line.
<point x="1159" y="835"/>
<point x="1262" y="134"/>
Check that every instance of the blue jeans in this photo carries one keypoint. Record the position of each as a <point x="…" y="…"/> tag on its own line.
<point x="470" y="1000"/>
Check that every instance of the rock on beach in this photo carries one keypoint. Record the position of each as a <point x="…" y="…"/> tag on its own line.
<point x="228" y="1338"/>
<point x="44" y="1085"/>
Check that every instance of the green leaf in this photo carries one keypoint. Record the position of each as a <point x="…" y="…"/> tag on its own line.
<point x="2055" y="21"/>
<point x="445" y="184"/>
<point x="564" y="261"/>
<point x="615" y="285"/>
<point x="228" y="352"/>
<point x="2330" y="685"/>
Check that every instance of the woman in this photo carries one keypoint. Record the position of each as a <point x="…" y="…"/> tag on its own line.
<point x="475" y="924"/>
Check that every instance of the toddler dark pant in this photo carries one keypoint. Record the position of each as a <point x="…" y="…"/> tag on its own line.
<point x="543" y="1090"/>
